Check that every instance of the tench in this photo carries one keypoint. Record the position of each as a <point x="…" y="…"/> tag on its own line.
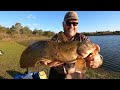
<point x="49" y="51"/>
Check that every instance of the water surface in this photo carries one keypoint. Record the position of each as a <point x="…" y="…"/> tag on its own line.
<point x="110" y="50"/>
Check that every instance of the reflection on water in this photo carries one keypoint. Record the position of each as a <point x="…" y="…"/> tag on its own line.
<point x="110" y="50"/>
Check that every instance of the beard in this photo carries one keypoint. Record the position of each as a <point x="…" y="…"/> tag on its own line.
<point x="70" y="33"/>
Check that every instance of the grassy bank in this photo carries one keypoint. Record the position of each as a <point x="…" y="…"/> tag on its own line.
<point x="100" y="73"/>
<point x="9" y="61"/>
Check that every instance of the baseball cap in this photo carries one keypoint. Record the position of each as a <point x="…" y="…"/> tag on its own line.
<point x="71" y="15"/>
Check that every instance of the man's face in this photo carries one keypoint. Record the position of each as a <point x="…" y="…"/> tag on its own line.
<point x="70" y="27"/>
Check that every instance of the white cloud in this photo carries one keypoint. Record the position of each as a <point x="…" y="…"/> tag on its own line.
<point x="30" y="16"/>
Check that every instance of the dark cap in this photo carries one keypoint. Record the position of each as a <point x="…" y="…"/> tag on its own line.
<point x="71" y="15"/>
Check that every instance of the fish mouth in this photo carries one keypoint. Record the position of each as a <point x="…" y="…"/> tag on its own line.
<point x="88" y="52"/>
<point x="85" y="54"/>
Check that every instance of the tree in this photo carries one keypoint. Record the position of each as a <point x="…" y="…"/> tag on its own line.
<point x="15" y="29"/>
<point x="48" y="33"/>
<point x="3" y="29"/>
<point x="38" y="32"/>
<point x="25" y="30"/>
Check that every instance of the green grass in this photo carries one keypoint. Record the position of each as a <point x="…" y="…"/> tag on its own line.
<point x="9" y="62"/>
<point x="102" y="74"/>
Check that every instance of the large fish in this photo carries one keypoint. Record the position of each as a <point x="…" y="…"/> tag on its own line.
<point x="48" y="51"/>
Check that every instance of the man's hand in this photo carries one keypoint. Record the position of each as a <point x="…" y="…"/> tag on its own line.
<point x="52" y="64"/>
<point x="94" y="61"/>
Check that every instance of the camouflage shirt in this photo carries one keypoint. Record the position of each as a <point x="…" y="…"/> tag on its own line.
<point x="58" y="38"/>
<point x="77" y="37"/>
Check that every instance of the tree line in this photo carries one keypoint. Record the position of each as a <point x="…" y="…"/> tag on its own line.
<point x="98" y="33"/>
<point x="19" y="30"/>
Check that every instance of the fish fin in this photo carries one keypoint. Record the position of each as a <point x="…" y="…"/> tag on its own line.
<point x="80" y="65"/>
<point x="62" y="37"/>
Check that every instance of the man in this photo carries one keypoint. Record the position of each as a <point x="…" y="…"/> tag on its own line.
<point x="70" y="27"/>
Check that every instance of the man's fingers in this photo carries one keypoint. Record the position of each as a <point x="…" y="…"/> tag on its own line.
<point x="43" y="63"/>
<point x="54" y="63"/>
<point x="51" y="64"/>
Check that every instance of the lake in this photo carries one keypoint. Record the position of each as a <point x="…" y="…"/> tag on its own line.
<point x="110" y="50"/>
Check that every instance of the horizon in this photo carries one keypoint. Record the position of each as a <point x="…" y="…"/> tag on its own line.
<point x="89" y="21"/>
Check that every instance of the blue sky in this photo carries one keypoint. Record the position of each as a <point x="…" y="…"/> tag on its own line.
<point x="89" y="21"/>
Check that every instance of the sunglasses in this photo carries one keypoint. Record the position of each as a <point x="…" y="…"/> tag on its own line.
<point x="69" y="23"/>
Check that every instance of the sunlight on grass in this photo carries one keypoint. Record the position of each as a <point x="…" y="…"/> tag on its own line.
<point x="10" y="59"/>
